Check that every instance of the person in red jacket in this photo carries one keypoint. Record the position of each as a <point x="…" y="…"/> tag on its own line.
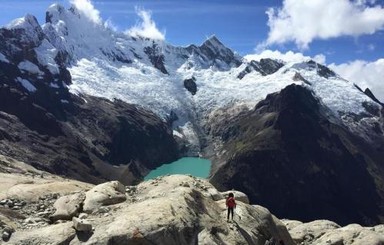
<point x="231" y="204"/>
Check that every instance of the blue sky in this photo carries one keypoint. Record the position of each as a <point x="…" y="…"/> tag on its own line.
<point x="347" y="35"/>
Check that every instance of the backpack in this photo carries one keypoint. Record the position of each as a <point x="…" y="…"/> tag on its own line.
<point x="231" y="202"/>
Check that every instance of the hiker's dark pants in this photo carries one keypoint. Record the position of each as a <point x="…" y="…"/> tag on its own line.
<point x="230" y="210"/>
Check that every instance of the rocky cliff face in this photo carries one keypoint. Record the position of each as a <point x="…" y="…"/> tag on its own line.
<point x="98" y="140"/>
<point x="289" y="155"/>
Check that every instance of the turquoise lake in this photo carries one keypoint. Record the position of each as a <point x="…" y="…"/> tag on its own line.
<point x="195" y="166"/>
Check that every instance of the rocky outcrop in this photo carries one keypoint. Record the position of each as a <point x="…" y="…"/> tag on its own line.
<point x="289" y="155"/>
<point x="104" y="194"/>
<point x="369" y="93"/>
<point x="264" y="67"/>
<point x="31" y="81"/>
<point x="190" y="85"/>
<point x="240" y="196"/>
<point x="156" y="57"/>
<point x="61" y="233"/>
<point x="81" y="225"/>
<point x="328" y="232"/>
<point x="321" y="70"/>
<point x="27" y="198"/>
<point x="68" y="206"/>
<point x="214" y="53"/>
<point x="168" y="210"/>
<point x="175" y="209"/>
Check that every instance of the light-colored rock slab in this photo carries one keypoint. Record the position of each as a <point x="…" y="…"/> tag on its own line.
<point x="311" y="231"/>
<point x="290" y="224"/>
<point x="239" y="196"/>
<point x="68" y="206"/>
<point x="104" y="194"/>
<point x="352" y="235"/>
<point x="167" y="211"/>
<point x="53" y="234"/>
<point x="81" y="224"/>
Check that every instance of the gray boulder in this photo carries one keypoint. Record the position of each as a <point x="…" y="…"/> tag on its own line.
<point x="309" y="232"/>
<point x="68" y="206"/>
<point x="214" y="193"/>
<point x="81" y="224"/>
<point x="353" y="234"/>
<point x="54" y="234"/>
<point x="239" y="196"/>
<point x="104" y="194"/>
<point x="330" y="233"/>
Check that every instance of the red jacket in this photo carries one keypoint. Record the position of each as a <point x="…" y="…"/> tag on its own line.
<point x="230" y="202"/>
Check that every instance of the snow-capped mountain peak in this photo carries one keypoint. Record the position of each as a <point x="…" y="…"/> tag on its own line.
<point x="26" y="22"/>
<point x="28" y="28"/>
<point x="70" y="31"/>
<point x="150" y="73"/>
<point x="214" y="53"/>
<point x="214" y="44"/>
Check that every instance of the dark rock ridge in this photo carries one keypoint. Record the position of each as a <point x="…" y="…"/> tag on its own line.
<point x="369" y="93"/>
<point x="288" y="154"/>
<point x="190" y="85"/>
<point x="322" y="70"/>
<point x="264" y="67"/>
<point x="99" y="140"/>
<point x="23" y="72"/>
<point x="215" y="53"/>
<point x="156" y="57"/>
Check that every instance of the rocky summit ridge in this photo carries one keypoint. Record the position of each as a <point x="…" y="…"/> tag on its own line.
<point x="40" y="208"/>
<point x="83" y="101"/>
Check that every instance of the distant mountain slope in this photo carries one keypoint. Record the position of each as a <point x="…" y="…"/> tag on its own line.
<point x="289" y="155"/>
<point x="98" y="140"/>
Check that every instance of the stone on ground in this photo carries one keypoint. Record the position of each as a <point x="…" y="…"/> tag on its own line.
<point x="108" y="193"/>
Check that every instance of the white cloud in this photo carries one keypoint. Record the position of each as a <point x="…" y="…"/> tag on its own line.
<point x="110" y="25"/>
<point x="302" y="21"/>
<point x="146" y="28"/>
<point x="86" y="7"/>
<point x="287" y="57"/>
<point x="364" y="74"/>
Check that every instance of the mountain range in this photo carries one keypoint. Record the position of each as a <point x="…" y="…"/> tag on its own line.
<point x="81" y="100"/>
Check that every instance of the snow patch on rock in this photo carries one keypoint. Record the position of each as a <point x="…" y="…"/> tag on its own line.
<point x="29" y="67"/>
<point x="27" y="84"/>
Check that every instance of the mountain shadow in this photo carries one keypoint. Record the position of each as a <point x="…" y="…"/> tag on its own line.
<point x="290" y="155"/>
